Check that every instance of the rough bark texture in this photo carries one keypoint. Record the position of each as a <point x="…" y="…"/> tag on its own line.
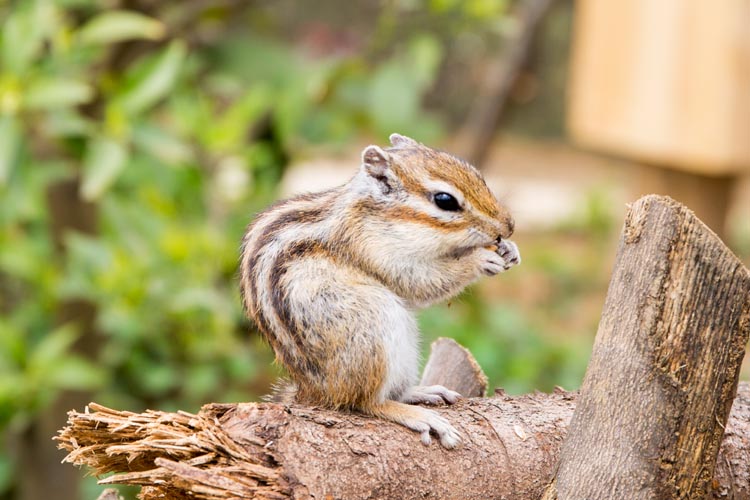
<point x="452" y="365"/>
<point x="665" y="364"/>
<point x="266" y="450"/>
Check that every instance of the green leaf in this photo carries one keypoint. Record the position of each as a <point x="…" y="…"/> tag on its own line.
<point x="394" y="99"/>
<point x="159" y="378"/>
<point x="23" y="36"/>
<point x="155" y="83"/>
<point x="12" y="347"/>
<point x="105" y="159"/>
<point x="75" y="372"/>
<point x="423" y="59"/>
<point x="88" y="251"/>
<point x="118" y="25"/>
<point x="57" y="93"/>
<point x="53" y="346"/>
<point x="485" y="9"/>
<point x="160" y="143"/>
<point x="442" y="6"/>
<point x="10" y="141"/>
<point x="67" y="122"/>
<point x="398" y="85"/>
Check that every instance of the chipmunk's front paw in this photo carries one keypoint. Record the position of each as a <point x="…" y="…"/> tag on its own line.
<point x="508" y="251"/>
<point x="499" y="257"/>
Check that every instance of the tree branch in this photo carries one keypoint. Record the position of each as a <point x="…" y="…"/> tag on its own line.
<point x="452" y="365"/>
<point x="267" y="450"/>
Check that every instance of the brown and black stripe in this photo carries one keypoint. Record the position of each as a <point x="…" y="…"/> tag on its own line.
<point x="266" y="251"/>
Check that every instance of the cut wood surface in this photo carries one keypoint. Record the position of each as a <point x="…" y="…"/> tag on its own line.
<point x="665" y="364"/>
<point x="452" y="365"/>
<point x="267" y="450"/>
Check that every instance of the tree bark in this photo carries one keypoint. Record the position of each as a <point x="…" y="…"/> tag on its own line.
<point x="665" y="365"/>
<point x="267" y="450"/>
<point x="479" y="129"/>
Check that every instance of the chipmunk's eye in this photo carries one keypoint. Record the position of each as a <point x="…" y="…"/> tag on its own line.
<point x="447" y="202"/>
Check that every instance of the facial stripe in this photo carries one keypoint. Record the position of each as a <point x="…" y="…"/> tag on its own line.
<point x="406" y="214"/>
<point x="447" y="168"/>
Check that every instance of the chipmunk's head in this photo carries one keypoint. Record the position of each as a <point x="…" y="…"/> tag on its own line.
<point x="444" y="200"/>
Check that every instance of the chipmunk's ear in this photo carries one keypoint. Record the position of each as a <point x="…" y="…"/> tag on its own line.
<point x="376" y="163"/>
<point x="398" y="140"/>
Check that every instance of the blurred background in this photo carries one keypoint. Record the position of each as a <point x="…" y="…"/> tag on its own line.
<point x="139" y="137"/>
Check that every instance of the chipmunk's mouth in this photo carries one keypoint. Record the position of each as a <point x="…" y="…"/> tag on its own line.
<point x="465" y="250"/>
<point x="475" y="240"/>
<point x="459" y="252"/>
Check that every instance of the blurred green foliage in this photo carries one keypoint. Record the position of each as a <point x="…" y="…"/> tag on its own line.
<point x="173" y="123"/>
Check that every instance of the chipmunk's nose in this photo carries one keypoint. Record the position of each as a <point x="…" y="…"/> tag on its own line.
<point x="507" y="230"/>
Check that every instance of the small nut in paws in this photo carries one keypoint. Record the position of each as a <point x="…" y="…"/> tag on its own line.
<point x="509" y="253"/>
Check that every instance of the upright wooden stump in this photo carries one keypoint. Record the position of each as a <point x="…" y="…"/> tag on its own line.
<point x="665" y="363"/>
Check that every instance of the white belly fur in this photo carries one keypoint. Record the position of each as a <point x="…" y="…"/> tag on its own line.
<point x="401" y="345"/>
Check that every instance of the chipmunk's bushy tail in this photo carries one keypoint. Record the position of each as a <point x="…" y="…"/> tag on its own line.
<point x="283" y="391"/>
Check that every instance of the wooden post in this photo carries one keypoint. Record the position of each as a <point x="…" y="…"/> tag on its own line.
<point x="663" y="82"/>
<point x="664" y="369"/>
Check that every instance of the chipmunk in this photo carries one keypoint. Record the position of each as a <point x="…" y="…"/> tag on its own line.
<point x="332" y="279"/>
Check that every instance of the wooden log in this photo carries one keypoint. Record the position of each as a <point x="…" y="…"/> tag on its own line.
<point x="674" y="280"/>
<point x="665" y="365"/>
<point x="267" y="450"/>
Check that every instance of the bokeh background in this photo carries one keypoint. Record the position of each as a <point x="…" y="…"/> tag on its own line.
<point x="139" y="137"/>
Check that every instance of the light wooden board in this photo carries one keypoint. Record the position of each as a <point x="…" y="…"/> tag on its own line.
<point x="665" y="82"/>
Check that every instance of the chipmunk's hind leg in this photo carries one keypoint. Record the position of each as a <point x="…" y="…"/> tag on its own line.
<point x="418" y="419"/>
<point x="429" y="394"/>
